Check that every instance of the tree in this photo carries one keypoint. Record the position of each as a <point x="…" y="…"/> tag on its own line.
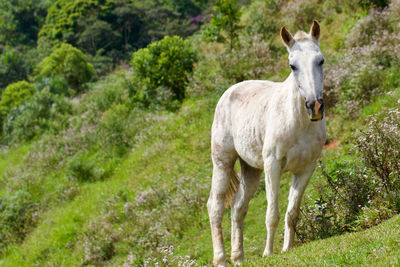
<point x="224" y="24"/>
<point x="20" y="21"/>
<point x="68" y="62"/>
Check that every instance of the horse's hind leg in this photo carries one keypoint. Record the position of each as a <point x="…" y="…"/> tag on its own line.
<point x="249" y="181"/>
<point x="299" y="184"/>
<point x="221" y="179"/>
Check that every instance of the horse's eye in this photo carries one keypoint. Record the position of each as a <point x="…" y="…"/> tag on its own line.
<point x="293" y="67"/>
<point x="321" y="62"/>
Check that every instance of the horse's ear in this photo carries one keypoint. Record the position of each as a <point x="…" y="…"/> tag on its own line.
<point x="287" y="38"/>
<point x="315" y="31"/>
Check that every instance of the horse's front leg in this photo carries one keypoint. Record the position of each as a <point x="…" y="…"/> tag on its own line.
<point x="249" y="181"/>
<point x="272" y="168"/>
<point x="299" y="184"/>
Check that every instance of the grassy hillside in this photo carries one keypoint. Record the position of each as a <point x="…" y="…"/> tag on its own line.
<point x="118" y="172"/>
<point x="174" y="162"/>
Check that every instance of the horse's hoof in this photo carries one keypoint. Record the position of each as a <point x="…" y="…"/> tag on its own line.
<point x="219" y="260"/>
<point x="267" y="253"/>
<point x="237" y="262"/>
<point x="237" y="257"/>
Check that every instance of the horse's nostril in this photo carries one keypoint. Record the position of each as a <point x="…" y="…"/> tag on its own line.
<point x="321" y="101"/>
<point x="310" y="104"/>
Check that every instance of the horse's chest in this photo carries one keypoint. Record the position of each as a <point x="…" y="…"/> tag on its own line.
<point x="305" y="150"/>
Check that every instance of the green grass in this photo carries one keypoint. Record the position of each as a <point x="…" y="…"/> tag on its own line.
<point x="377" y="246"/>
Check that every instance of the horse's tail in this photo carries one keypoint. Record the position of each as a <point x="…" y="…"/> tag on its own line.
<point x="233" y="187"/>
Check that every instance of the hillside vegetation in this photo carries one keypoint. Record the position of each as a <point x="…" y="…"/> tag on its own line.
<point x="105" y="130"/>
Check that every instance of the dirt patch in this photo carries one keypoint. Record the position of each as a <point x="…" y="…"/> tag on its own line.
<point x="331" y="144"/>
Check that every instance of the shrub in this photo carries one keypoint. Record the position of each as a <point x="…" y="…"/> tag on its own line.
<point x="253" y="60"/>
<point x="43" y="111"/>
<point x="355" y="197"/>
<point x="161" y="70"/>
<point x="84" y="169"/>
<point x="68" y="62"/>
<point x="16" y="217"/>
<point x="99" y="242"/>
<point x="301" y="13"/>
<point x="113" y="126"/>
<point x="55" y="85"/>
<point x="380" y="149"/>
<point x="14" y="95"/>
<point x="374" y="3"/>
<point x="345" y="190"/>
<point x="260" y="19"/>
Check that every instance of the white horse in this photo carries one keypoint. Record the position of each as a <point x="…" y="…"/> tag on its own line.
<point x="271" y="126"/>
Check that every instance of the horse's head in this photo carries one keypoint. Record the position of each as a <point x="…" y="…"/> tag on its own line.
<point x="306" y="60"/>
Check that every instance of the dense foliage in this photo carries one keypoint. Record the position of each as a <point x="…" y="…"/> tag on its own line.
<point x="114" y="28"/>
<point x="14" y="95"/>
<point x="42" y="112"/>
<point x="13" y="66"/>
<point x="20" y="21"/>
<point x="161" y="71"/>
<point x="224" y="24"/>
<point x="69" y="63"/>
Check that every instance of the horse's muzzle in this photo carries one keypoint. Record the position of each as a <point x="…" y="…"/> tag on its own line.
<point x="315" y="109"/>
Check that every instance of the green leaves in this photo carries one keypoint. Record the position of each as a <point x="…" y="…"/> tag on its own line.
<point x="14" y="95"/>
<point x="161" y="70"/>
<point x="68" y="62"/>
<point x="224" y="24"/>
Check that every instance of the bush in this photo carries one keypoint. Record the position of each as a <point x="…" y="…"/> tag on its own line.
<point x="345" y="190"/>
<point x="43" y="111"/>
<point x="56" y="85"/>
<point x="380" y="149"/>
<point x="14" y="95"/>
<point x="161" y="70"/>
<point x="114" y="127"/>
<point x="353" y="197"/>
<point x="252" y="60"/>
<point x="84" y="170"/>
<point x="301" y="13"/>
<point x="16" y="217"/>
<point x="68" y="62"/>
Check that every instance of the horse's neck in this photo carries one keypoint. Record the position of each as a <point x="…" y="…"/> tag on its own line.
<point x="295" y="103"/>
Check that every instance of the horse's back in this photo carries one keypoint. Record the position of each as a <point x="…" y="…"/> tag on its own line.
<point x="240" y="111"/>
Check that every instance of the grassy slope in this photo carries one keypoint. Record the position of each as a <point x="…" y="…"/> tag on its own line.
<point x="375" y="246"/>
<point x="182" y="149"/>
